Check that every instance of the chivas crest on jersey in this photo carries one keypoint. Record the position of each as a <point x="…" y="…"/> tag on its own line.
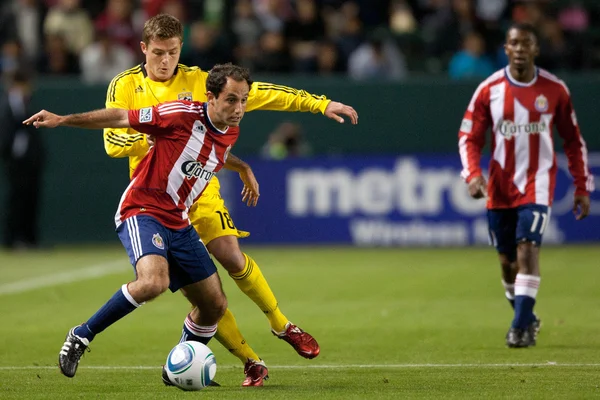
<point x="541" y="103"/>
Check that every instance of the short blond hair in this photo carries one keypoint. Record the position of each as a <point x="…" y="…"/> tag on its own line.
<point x="162" y="27"/>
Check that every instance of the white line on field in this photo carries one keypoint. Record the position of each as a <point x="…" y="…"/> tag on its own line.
<point x="74" y="275"/>
<point x="325" y="366"/>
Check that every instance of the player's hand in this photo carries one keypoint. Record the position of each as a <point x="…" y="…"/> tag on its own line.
<point x="335" y="109"/>
<point x="478" y="187"/>
<point x="151" y="140"/>
<point x="43" y="119"/>
<point x="581" y="207"/>
<point x="250" y="192"/>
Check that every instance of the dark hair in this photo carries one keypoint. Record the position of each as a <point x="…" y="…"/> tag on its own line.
<point x="217" y="77"/>
<point x="162" y="27"/>
<point x="523" y="26"/>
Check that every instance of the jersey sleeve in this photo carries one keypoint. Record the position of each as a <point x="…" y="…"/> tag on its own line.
<point x="573" y="144"/>
<point x="471" y="136"/>
<point x="161" y="120"/>
<point x="122" y="142"/>
<point x="268" y="96"/>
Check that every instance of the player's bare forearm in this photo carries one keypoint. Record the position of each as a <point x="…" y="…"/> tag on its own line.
<point x="236" y="164"/>
<point x="104" y="118"/>
<point x="250" y="192"/>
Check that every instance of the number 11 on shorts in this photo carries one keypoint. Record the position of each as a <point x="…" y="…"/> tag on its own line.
<point x="536" y="221"/>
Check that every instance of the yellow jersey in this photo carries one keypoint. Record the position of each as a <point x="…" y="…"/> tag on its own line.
<point x="132" y="89"/>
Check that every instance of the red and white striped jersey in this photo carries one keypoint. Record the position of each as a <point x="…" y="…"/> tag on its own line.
<point x="522" y="115"/>
<point x="187" y="153"/>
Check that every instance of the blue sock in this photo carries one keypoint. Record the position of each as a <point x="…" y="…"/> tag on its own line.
<point x="523" y="312"/>
<point x="526" y="290"/>
<point x="119" y="305"/>
<point x="194" y="332"/>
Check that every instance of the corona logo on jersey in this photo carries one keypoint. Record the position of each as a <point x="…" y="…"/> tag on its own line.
<point x="195" y="169"/>
<point x="509" y="129"/>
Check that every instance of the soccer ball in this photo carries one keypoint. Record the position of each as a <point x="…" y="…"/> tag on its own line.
<point x="191" y="366"/>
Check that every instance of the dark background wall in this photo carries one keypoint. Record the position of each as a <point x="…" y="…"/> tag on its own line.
<point x="83" y="185"/>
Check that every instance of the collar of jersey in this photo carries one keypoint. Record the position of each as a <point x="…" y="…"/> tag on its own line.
<point x="209" y="122"/>
<point x="515" y="82"/>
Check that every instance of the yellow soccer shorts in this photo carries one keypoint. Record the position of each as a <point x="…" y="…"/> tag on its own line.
<point x="210" y="217"/>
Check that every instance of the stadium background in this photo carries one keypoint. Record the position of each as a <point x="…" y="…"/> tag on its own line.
<point x="410" y="104"/>
<point x="401" y="321"/>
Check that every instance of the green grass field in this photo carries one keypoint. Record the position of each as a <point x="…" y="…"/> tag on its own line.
<point x="392" y="323"/>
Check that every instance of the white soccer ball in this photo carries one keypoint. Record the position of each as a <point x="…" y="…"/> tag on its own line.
<point x="191" y="365"/>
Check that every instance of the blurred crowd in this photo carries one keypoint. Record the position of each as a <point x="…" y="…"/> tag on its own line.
<point x="383" y="39"/>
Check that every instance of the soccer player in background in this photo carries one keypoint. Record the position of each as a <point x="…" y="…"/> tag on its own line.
<point x="160" y="78"/>
<point x="522" y="103"/>
<point x="193" y="140"/>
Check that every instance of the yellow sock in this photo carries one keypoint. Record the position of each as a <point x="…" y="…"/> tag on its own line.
<point x="231" y="338"/>
<point x="252" y="282"/>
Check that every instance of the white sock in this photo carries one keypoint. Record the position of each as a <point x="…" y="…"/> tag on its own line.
<point x="527" y="285"/>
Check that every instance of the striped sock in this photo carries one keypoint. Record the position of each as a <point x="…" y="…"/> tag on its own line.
<point x="195" y="332"/>
<point x="526" y="289"/>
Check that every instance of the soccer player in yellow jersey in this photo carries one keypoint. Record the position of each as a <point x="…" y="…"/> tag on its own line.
<point x="160" y="78"/>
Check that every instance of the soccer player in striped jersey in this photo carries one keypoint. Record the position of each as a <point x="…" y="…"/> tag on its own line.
<point x="160" y="78"/>
<point x="193" y="141"/>
<point x="522" y="103"/>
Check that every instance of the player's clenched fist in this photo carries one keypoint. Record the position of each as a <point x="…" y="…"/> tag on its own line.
<point x="478" y="187"/>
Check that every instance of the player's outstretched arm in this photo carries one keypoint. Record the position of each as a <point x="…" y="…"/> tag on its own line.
<point x="104" y="118"/>
<point x="268" y="96"/>
<point x="250" y="192"/>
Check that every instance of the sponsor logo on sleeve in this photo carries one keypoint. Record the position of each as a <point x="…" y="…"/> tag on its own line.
<point x="145" y="115"/>
<point x="466" y="126"/>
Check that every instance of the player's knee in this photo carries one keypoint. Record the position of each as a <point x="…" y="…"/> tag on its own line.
<point x="525" y="250"/>
<point x="155" y="286"/>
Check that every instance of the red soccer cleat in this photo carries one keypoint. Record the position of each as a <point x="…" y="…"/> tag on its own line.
<point x="256" y="372"/>
<point x="301" y="341"/>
